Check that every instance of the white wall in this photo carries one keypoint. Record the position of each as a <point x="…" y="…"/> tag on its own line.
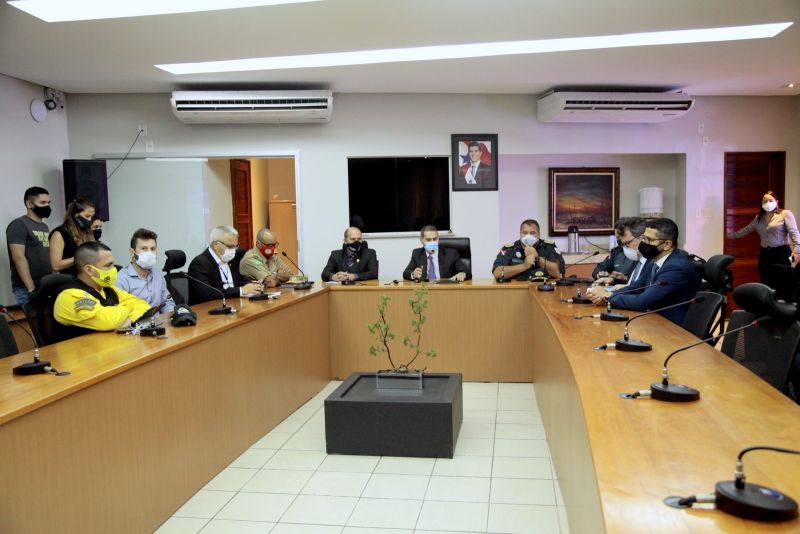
<point x="31" y="154"/>
<point x="384" y="124"/>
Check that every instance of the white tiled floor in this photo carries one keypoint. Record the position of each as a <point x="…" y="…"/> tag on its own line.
<point x="501" y="480"/>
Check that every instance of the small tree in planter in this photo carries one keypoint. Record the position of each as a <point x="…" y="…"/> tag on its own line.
<point x="382" y="330"/>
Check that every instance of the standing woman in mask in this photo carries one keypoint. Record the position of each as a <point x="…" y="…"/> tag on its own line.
<point x="65" y="239"/>
<point x="777" y="229"/>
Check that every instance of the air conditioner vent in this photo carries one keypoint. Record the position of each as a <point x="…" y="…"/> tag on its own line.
<point x="611" y="107"/>
<point x="266" y="107"/>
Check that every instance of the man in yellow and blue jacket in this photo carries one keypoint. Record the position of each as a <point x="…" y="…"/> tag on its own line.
<point x="91" y="302"/>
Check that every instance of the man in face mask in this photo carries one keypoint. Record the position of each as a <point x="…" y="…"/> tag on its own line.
<point x="432" y="263"/>
<point x="621" y="260"/>
<point x="217" y="267"/>
<point x="263" y="263"/>
<point x="669" y="268"/>
<point x="529" y="256"/>
<point x="139" y="278"/>
<point x="91" y="302"/>
<point x="354" y="261"/>
<point x="29" y="244"/>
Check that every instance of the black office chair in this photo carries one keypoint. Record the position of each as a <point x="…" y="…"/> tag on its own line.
<point x="767" y="350"/>
<point x="702" y="317"/>
<point x="177" y="283"/>
<point x="39" y="310"/>
<point x="460" y="245"/>
<point x="8" y="345"/>
<point x="715" y="276"/>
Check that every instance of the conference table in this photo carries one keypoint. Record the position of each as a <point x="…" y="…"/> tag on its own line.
<point x="141" y="424"/>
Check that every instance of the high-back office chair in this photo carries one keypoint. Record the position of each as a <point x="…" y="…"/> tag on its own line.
<point x="716" y="276"/>
<point x="8" y="345"/>
<point x="702" y="317"/>
<point x="177" y="283"/>
<point x="768" y="350"/>
<point x="460" y="245"/>
<point x="39" y="310"/>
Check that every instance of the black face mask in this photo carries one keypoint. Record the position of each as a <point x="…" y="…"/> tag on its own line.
<point x="648" y="251"/>
<point x="82" y="223"/>
<point x="355" y="246"/>
<point x="42" y="212"/>
<point x="97" y="234"/>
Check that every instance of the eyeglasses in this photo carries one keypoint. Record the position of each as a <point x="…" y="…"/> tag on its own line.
<point x="651" y="240"/>
<point x="224" y="244"/>
<point x="629" y="241"/>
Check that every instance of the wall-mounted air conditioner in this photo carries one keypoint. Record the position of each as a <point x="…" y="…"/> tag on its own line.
<point x="573" y="106"/>
<point x="252" y="107"/>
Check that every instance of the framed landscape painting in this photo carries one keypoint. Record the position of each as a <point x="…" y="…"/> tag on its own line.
<point x="584" y="197"/>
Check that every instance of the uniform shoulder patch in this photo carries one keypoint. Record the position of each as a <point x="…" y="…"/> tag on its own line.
<point x="85" y="303"/>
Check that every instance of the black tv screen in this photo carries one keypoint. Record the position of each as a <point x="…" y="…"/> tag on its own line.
<point x="399" y="194"/>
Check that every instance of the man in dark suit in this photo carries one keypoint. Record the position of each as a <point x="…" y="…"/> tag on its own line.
<point x="353" y="261"/>
<point x="665" y="263"/>
<point x="432" y="263"/>
<point x="476" y="173"/>
<point x="218" y="267"/>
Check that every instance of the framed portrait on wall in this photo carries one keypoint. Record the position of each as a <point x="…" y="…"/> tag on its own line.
<point x="474" y="159"/>
<point x="584" y="197"/>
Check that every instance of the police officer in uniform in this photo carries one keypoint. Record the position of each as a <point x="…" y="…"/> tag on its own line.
<point x="529" y="256"/>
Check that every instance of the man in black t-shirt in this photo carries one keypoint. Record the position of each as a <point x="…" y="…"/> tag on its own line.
<point x="29" y="245"/>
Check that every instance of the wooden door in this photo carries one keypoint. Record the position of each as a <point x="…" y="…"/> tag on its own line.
<point x="242" y="202"/>
<point x="747" y="176"/>
<point x="283" y="223"/>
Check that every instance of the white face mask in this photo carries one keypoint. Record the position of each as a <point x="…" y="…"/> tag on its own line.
<point x="769" y="206"/>
<point x="529" y="240"/>
<point x="228" y="255"/>
<point x="630" y="253"/>
<point x="146" y="259"/>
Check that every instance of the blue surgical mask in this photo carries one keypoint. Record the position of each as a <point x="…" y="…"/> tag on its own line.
<point x="529" y="240"/>
<point x="431" y="246"/>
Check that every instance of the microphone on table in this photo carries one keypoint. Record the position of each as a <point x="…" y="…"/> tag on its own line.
<point x="37" y="366"/>
<point x="637" y="345"/>
<point x="665" y="391"/>
<point x="567" y="282"/>
<point x="152" y="329"/>
<point x="745" y="500"/>
<point x="302" y="285"/>
<point x="609" y="315"/>
<point x="219" y="310"/>
<point x="578" y="298"/>
<point x="546" y="286"/>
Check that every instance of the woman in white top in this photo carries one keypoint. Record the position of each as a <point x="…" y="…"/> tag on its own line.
<point x="777" y="229"/>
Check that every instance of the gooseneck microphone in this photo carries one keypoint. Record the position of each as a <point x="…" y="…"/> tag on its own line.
<point x="37" y="366"/>
<point x="546" y="286"/>
<point x="609" y="315"/>
<point x="219" y="310"/>
<point x="564" y="281"/>
<point x="665" y="391"/>
<point x="303" y="285"/>
<point x="637" y="345"/>
<point x="745" y="500"/>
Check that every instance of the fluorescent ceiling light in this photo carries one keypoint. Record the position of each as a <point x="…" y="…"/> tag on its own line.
<point x="69" y="10"/>
<point x="505" y="48"/>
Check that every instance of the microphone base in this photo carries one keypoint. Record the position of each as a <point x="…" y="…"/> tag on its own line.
<point x="348" y="282"/>
<point x="673" y="393"/>
<point x="581" y="300"/>
<point x="31" y="368"/>
<point x="547" y="286"/>
<point x="613" y="316"/>
<point x="262" y="296"/>
<point x="304" y="285"/>
<point x="754" y="502"/>
<point x="503" y="280"/>
<point x="153" y="331"/>
<point x="632" y="345"/>
<point x="221" y="310"/>
<point x="564" y="282"/>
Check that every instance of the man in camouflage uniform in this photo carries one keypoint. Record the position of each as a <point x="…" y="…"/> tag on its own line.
<point x="529" y="256"/>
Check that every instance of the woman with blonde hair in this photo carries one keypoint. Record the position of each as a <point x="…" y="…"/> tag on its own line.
<point x="65" y="239"/>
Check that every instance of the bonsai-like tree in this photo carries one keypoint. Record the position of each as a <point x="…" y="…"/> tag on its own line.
<point x="382" y="330"/>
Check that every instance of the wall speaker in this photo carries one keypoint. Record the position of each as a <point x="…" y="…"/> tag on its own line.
<point x="86" y="178"/>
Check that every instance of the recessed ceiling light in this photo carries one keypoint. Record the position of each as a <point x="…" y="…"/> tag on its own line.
<point x="506" y="48"/>
<point x="69" y="10"/>
<point x="790" y="85"/>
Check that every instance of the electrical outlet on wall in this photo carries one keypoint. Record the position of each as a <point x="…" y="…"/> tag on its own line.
<point x="149" y="146"/>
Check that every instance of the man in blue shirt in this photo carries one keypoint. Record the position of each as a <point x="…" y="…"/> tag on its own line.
<point x="139" y="278"/>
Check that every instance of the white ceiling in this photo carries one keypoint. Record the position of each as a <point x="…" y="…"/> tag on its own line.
<point x="117" y="56"/>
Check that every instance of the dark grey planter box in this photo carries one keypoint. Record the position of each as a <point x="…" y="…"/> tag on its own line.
<point x="361" y="419"/>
